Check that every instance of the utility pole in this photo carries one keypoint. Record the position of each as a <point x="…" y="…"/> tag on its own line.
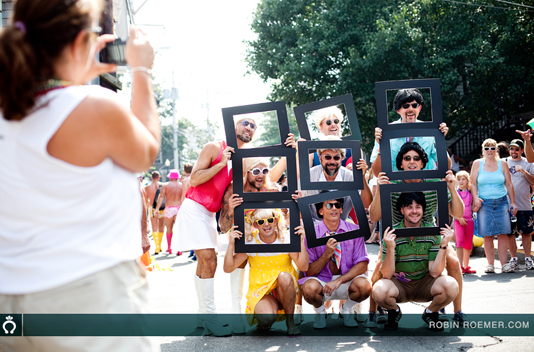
<point x="174" y="97"/>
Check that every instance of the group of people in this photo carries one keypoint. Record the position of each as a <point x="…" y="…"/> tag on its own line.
<point x="71" y="137"/>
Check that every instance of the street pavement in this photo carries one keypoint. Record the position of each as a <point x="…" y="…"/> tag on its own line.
<point x="174" y="292"/>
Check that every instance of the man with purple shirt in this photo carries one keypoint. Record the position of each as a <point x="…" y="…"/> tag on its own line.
<point x="337" y="271"/>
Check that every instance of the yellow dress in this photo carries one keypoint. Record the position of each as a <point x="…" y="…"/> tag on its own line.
<point x="263" y="278"/>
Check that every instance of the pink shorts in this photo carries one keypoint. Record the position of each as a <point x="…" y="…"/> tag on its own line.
<point x="171" y="211"/>
<point x="464" y="234"/>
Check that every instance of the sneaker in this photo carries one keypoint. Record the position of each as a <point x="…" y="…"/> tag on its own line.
<point x="459" y="316"/>
<point x="348" y="318"/>
<point x="432" y="319"/>
<point x="320" y="321"/>
<point x="514" y="263"/>
<point x="490" y="269"/>
<point x="442" y="315"/>
<point x="507" y="268"/>
<point x="528" y="263"/>
<point x="370" y="322"/>
<point x="358" y="312"/>
<point x="393" y="319"/>
<point x="382" y="317"/>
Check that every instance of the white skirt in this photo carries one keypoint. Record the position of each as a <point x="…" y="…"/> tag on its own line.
<point x="195" y="228"/>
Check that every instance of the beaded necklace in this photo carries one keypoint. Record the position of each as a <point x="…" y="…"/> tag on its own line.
<point x="53" y="84"/>
<point x="461" y="191"/>
<point x="414" y="241"/>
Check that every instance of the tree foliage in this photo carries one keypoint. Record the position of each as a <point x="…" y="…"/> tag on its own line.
<point x="311" y="50"/>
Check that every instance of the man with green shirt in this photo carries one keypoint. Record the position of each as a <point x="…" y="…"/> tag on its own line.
<point x="412" y="267"/>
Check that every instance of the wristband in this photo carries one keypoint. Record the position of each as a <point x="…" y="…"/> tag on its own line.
<point x="141" y="69"/>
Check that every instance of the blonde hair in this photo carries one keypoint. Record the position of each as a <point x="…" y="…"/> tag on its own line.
<point x="341" y="151"/>
<point x="322" y="114"/>
<point x="465" y="175"/>
<point x="490" y="142"/>
<point x="257" y="214"/>
<point x="251" y="163"/>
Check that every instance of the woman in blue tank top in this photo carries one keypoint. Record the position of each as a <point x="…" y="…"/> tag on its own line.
<point x="491" y="183"/>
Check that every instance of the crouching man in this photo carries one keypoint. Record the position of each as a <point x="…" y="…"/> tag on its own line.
<point x="412" y="268"/>
<point x="337" y="271"/>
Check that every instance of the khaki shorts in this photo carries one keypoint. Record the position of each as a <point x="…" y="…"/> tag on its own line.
<point x="119" y="289"/>
<point x="415" y="290"/>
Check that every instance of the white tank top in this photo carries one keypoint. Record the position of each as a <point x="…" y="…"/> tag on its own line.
<point x="60" y="222"/>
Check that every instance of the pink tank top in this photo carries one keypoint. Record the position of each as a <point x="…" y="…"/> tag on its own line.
<point x="210" y="194"/>
<point x="467" y="198"/>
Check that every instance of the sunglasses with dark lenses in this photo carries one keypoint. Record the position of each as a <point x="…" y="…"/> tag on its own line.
<point x="489" y="148"/>
<point x="338" y="205"/>
<point x="330" y="157"/>
<point x="414" y="158"/>
<point x="247" y="123"/>
<point x="257" y="171"/>
<point x="414" y="105"/>
<point x="262" y="221"/>
<point x="515" y="149"/>
<point x="329" y="122"/>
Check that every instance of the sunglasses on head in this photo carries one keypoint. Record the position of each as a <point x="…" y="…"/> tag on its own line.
<point x="247" y="123"/>
<point x="329" y="122"/>
<point x="489" y="148"/>
<point x="414" y="158"/>
<point x="262" y="221"/>
<point x="329" y="206"/>
<point x="406" y="105"/>
<point x="330" y="157"/>
<point x="256" y="171"/>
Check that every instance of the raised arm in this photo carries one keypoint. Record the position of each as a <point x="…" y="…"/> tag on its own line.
<point x="388" y="265"/>
<point x="229" y="202"/>
<point x="202" y="172"/>
<point x="375" y="210"/>
<point x="233" y="260"/>
<point x="302" y="258"/>
<point x="456" y="206"/>
<point x="529" y="151"/>
<point x="436" y="266"/>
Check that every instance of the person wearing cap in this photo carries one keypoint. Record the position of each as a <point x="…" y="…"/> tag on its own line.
<point x="408" y="104"/>
<point x="172" y="192"/>
<point x="337" y="270"/>
<point x="522" y="174"/>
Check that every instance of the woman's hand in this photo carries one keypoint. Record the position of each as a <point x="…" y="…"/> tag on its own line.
<point x="138" y="51"/>
<point x="96" y="67"/>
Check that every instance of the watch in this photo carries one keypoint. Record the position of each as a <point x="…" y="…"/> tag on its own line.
<point x="443" y="247"/>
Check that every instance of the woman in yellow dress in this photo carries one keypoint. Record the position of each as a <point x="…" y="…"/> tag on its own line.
<point x="272" y="278"/>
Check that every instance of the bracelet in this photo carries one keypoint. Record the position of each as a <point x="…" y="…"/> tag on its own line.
<point x="443" y="247"/>
<point x="141" y="69"/>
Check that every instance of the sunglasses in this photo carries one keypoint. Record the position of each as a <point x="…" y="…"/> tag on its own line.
<point x="329" y="206"/>
<point x="329" y="122"/>
<point x="247" y="123"/>
<point x="262" y="221"/>
<point x="414" y="105"/>
<point x="257" y="171"/>
<point x="414" y="158"/>
<point x="489" y="148"/>
<point x="330" y="157"/>
<point x="515" y="149"/>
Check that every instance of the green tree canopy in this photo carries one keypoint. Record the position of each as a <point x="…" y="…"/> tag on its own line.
<point x="311" y="50"/>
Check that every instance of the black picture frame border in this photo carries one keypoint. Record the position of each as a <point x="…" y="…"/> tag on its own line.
<point x="305" y="179"/>
<point x="441" y="151"/>
<point x="309" y="226"/>
<point x="294" y="221"/>
<point x="347" y="99"/>
<point x="387" y="217"/>
<point x="229" y="125"/>
<point x="381" y="89"/>
<point x="291" y="173"/>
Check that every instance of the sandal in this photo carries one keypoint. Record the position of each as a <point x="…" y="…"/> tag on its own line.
<point x="468" y="270"/>
<point x="490" y="269"/>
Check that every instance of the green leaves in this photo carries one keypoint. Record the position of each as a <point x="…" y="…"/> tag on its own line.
<point x="312" y="50"/>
